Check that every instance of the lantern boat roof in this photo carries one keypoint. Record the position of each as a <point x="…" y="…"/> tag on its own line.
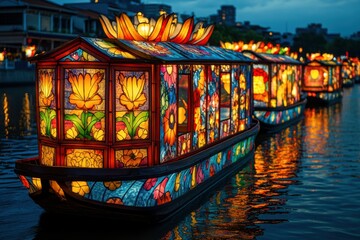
<point x="271" y="58"/>
<point x="137" y="51"/>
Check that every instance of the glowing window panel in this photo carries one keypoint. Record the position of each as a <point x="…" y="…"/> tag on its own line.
<point x="235" y="98"/>
<point x="213" y="110"/>
<point x="261" y="85"/>
<point x="86" y="158"/>
<point x="47" y="155"/>
<point x="132" y="105"/>
<point x="130" y="158"/>
<point x="47" y="102"/>
<point x="168" y="112"/>
<point x="84" y="104"/>
<point x="199" y="106"/>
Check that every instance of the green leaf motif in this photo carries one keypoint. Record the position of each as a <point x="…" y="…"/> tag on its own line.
<point x="132" y="123"/>
<point x="85" y="122"/>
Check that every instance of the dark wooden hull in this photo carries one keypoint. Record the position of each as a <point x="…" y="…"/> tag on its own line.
<point x="275" y="119"/>
<point x="56" y="192"/>
<point x="321" y="99"/>
<point x="347" y="83"/>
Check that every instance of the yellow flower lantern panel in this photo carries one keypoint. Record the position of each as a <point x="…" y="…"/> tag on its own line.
<point x="47" y="102"/>
<point x="132" y="105"/>
<point x="86" y="158"/>
<point x="84" y="102"/>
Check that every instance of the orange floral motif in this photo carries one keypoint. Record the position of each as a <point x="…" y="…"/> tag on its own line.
<point x="112" y="185"/>
<point x="85" y="90"/>
<point x="170" y="125"/>
<point x="115" y="200"/>
<point x="132" y="87"/>
<point x="46" y="87"/>
<point x="131" y="157"/>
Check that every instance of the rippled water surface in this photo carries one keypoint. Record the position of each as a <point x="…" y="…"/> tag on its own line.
<point x="303" y="183"/>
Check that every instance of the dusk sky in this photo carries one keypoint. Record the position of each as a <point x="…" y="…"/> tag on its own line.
<point x="338" y="16"/>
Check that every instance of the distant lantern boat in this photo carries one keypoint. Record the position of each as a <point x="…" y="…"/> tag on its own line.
<point x="347" y="72"/>
<point x="138" y="129"/>
<point x="278" y="99"/>
<point x="322" y="80"/>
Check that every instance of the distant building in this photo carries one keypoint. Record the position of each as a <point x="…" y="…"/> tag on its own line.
<point x="227" y="15"/>
<point x="355" y="36"/>
<point x="153" y="10"/>
<point x="27" y="26"/>
<point x="314" y="28"/>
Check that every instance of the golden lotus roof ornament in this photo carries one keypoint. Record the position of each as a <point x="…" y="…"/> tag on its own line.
<point x="319" y="56"/>
<point x="165" y="29"/>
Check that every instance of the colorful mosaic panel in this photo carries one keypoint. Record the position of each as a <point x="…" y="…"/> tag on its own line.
<point x="33" y="184"/>
<point x="130" y="158"/>
<point x="79" y="56"/>
<point x="109" y="48"/>
<point x="84" y="103"/>
<point x="184" y="143"/>
<point x="87" y="158"/>
<point x="235" y="99"/>
<point x="168" y="112"/>
<point x="199" y="106"/>
<point x="213" y="110"/>
<point x="132" y="105"/>
<point x="157" y="191"/>
<point x="278" y="117"/>
<point x="47" y="102"/>
<point x="261" y="85"/>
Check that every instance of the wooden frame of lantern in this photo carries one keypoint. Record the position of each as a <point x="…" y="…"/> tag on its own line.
<point x="135" y="128"/>
<point x="322" y="82"/>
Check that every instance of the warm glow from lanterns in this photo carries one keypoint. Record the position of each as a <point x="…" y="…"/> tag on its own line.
<point x="259" y="47"/>
<point x="30" y="51"/>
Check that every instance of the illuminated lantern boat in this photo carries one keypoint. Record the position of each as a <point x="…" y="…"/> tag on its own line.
<point x="322" y="81"/>
<point x="347" y="73"/>
<point x="137" y="129"/>
<point x="278" y="101"/>
<point x="356" y="63"/>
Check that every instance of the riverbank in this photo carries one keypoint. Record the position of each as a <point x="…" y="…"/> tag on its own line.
<point x="17" y="77"/>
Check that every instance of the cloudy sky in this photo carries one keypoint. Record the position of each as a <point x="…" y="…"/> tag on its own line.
<point x="338" y="16"/>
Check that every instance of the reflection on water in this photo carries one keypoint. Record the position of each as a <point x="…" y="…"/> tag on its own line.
<point x="6" y="114"/>
<point x="253" y="197"/>
<point x="17" y="112"/>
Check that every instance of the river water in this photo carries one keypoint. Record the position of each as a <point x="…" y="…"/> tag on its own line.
<point x="303" y="183"/>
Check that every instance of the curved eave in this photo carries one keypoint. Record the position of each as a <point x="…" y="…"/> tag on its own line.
<point x="280" y="59"/>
